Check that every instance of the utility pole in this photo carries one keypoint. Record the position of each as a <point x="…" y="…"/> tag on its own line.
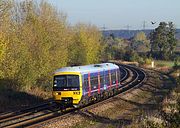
<point x="144" y="25"/>
<point x="104" y="27"/>
<point x="127" y="28"/>
<point x="105" y="30"/>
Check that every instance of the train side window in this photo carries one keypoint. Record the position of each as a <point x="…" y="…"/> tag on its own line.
<point x="107" y="79"/>
<point x="94" y="81"/>
<point x="86" y="83"/>
<point x="118" y="75"/>
<point x="113" y="77"/>
<point x="101" y="79"/>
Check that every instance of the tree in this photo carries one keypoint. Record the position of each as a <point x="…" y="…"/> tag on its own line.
<point x="5" y="7"/>
<point x="3" y="46"/>
<point x="86" y="46"/>
<point x="163" y="40"/>
<point x="140" y="42"/>
<point x="35" y="40"/>
<point x="171" y="38"/>
<point x="36" y="44"/>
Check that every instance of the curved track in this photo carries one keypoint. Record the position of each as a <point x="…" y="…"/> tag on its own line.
<point x="131" y="77"/>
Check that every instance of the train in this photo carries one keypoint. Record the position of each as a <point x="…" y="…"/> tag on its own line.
<point x="77" y="86"/>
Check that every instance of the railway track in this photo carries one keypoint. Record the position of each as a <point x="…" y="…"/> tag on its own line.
<point x="131" y="77"/>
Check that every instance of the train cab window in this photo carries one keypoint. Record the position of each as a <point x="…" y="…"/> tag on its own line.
<point x="70" y="82"/>
<point x="60" y="81"/>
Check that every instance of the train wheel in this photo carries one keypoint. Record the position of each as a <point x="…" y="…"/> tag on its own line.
<point x="83" y="103"/>
<point x="114" y="92"/>
<point x="98" y="97"/>
<point x="109" y="94"/>
<point x="106" y="95"/>
<point x="62" y="107"/>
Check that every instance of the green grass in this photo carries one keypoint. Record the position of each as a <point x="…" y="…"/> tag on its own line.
<point x="161" y="63"/>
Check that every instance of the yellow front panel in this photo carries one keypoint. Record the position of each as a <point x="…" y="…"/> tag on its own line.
<point x="76" y="95"/>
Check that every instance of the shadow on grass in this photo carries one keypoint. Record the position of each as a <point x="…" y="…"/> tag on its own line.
<point x="142" y="105"/>
<point x="153" y="104"/>
<point x="104" y="120"/>
<point x="11" y="99"/>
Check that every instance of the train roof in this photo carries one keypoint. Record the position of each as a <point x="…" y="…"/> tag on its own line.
<point x="88" y="68"/>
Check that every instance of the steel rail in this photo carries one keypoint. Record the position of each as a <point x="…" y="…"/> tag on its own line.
<point x="9" y="114"/>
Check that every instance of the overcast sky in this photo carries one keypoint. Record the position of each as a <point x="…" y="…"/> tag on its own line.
<point x="117" y="14"/>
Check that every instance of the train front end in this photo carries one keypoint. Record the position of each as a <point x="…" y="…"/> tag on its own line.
<point x="67" y="88"/>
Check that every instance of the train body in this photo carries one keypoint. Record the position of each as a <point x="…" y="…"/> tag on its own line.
<point x="80" y="85"/>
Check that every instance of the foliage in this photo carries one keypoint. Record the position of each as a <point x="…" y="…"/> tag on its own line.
<point x="121" y="49"/>
<point x="168" y="114"/>
<point x="163" y="41"/>
<point x="176" y="62"/>
<point x="160" y="45"/>
<point x="161" y="63"/>
<point x="140" y="43"/>
<point x="86" y="46"/>
<point x="35" y="40"/>
<point x="148" y="61"/>
<point x="113" y="48"/>
<point x="3" y="45"/>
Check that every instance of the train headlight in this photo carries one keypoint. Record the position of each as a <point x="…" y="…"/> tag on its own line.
<point x="57" y="93"/>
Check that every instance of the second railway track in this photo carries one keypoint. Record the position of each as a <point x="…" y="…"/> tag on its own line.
<point x="131" y="77"/>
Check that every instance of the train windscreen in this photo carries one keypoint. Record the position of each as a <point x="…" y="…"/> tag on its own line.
<point x="66" y="82"/>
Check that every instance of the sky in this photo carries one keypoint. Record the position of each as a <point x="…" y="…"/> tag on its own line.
<point x="120" y="14"/>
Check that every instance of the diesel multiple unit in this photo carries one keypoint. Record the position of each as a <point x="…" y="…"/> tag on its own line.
<point x="80" y="85"/>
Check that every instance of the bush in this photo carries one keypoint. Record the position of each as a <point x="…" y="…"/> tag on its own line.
<point x="148" y="61"/>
